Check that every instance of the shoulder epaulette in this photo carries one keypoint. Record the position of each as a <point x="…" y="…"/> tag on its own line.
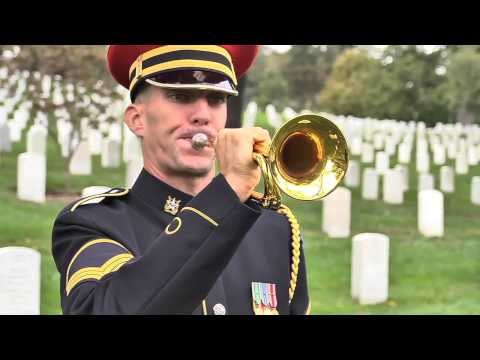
<point x="93" y="199"/>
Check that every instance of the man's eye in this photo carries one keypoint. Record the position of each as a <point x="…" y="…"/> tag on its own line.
<point x="180" y="97"/>
<point x="217" y="99"/>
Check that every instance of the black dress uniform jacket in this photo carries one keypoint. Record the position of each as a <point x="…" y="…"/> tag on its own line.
<point x="156" y="250"/>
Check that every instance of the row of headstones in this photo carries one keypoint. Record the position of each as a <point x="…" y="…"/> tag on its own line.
<point x="370" y="253"/>
<point x="31" y="165"/>
<point x="457" y="148"/>
<point x="11" y="130"/>
<point x="336" y="215"/>
<point x="31" y="175"/>
<point x="463" y="159"/>
<point x="389" y="141"/>
<point x="369" y="129"/>
<point x="459" y="142"/>
<point x="396" y="182"/>
<point x="51" y="87"/>
<point x="274" y="118"/>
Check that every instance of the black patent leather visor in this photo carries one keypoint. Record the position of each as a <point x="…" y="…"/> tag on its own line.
<point x="193" y="79"/>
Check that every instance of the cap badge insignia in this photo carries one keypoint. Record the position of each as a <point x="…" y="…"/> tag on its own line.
<point x="171" y="205"/>
<point x="199" y="75"/>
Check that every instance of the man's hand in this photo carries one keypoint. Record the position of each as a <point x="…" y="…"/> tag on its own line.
<point x="234" y="150"/>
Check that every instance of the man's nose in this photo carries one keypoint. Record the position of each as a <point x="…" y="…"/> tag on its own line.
<point x="202" y="112"/>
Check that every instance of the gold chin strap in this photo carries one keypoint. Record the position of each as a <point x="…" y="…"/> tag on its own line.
<point x="295" y="227"/>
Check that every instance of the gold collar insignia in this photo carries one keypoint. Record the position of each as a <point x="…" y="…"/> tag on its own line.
<point x="172" y="205"/>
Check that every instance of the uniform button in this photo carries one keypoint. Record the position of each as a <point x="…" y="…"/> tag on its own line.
<point x="219" y="309"/>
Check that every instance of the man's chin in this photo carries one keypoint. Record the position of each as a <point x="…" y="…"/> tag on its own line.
<point x="195" y="170"/>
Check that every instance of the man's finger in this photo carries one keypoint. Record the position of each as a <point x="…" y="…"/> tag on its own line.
<point x="261" y="139"/>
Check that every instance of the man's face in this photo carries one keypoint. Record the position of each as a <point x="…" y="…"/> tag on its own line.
<point x="172" y="117"/>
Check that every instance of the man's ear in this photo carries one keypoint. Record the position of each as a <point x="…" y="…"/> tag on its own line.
<point x="135" y="118"/>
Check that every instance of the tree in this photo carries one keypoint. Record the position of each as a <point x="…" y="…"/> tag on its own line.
<point x="307" y="70"/>
<point x="293" y="78"/>
<point x="266" y="84"/>
<point x="78" y="72"/>
<point x="349" y="88"/>
<point x="463" y="84"/>
<point x="417" y="91"/>
<point x="402" y="84"/>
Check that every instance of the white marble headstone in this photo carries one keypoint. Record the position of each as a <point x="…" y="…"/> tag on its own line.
<point x="370" y="268"/>
<point x="378" y="141"/>
<point x="370" y="186"/>
<point x="461" y="164"/>
<point x="19" y="281"/>
<point x="423" y="162"/>
<point x="382" y="162"/>
<point x="430" y="213"/>
<point x="37" y="140"/>
<point x="15" y="131"/>
<point x="404" y="152"/>
<point x="425" y="182"/>
<point x="475" y="190"/>
<point x="337" y="213"/>
<point x="352" y="177"/>
<point x="403" y="169"/>
<point x="439" y="155"/>
<point x="5" y="142"/>
<point x="390" y="146"/>
<point x="452" y="150"/>
<point x="110" y="153"/>
<point x="250" y="114"/>
<point x="368" y="153"/>
<point x="81" y="161"/>
<point x="273" y="118"/>
<point x="356" y="146"/>
<point x="31" y="177"/>
<point x="447" y="179"/>
<point x="288" y="113"/>
<point x="472" y="157"/>
<point x="95" y="141"/>
<point x="115" y="132"/>
<point x="393" y="186"/>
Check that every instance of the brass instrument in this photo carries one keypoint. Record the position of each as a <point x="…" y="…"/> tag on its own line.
<point x="308" y="158"/>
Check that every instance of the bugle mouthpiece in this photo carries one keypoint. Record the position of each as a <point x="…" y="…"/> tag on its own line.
<point x="199" y="141"/>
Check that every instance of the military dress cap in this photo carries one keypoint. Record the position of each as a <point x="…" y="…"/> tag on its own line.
<point x="204" y="67"/>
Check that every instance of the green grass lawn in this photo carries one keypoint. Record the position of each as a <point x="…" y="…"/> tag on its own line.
<point x="427" y="276"/>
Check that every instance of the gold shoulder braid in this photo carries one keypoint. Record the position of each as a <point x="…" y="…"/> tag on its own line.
<point x="295" y="248"/>
<point x="115" y="192"/>
<point x="284" y="210"/>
